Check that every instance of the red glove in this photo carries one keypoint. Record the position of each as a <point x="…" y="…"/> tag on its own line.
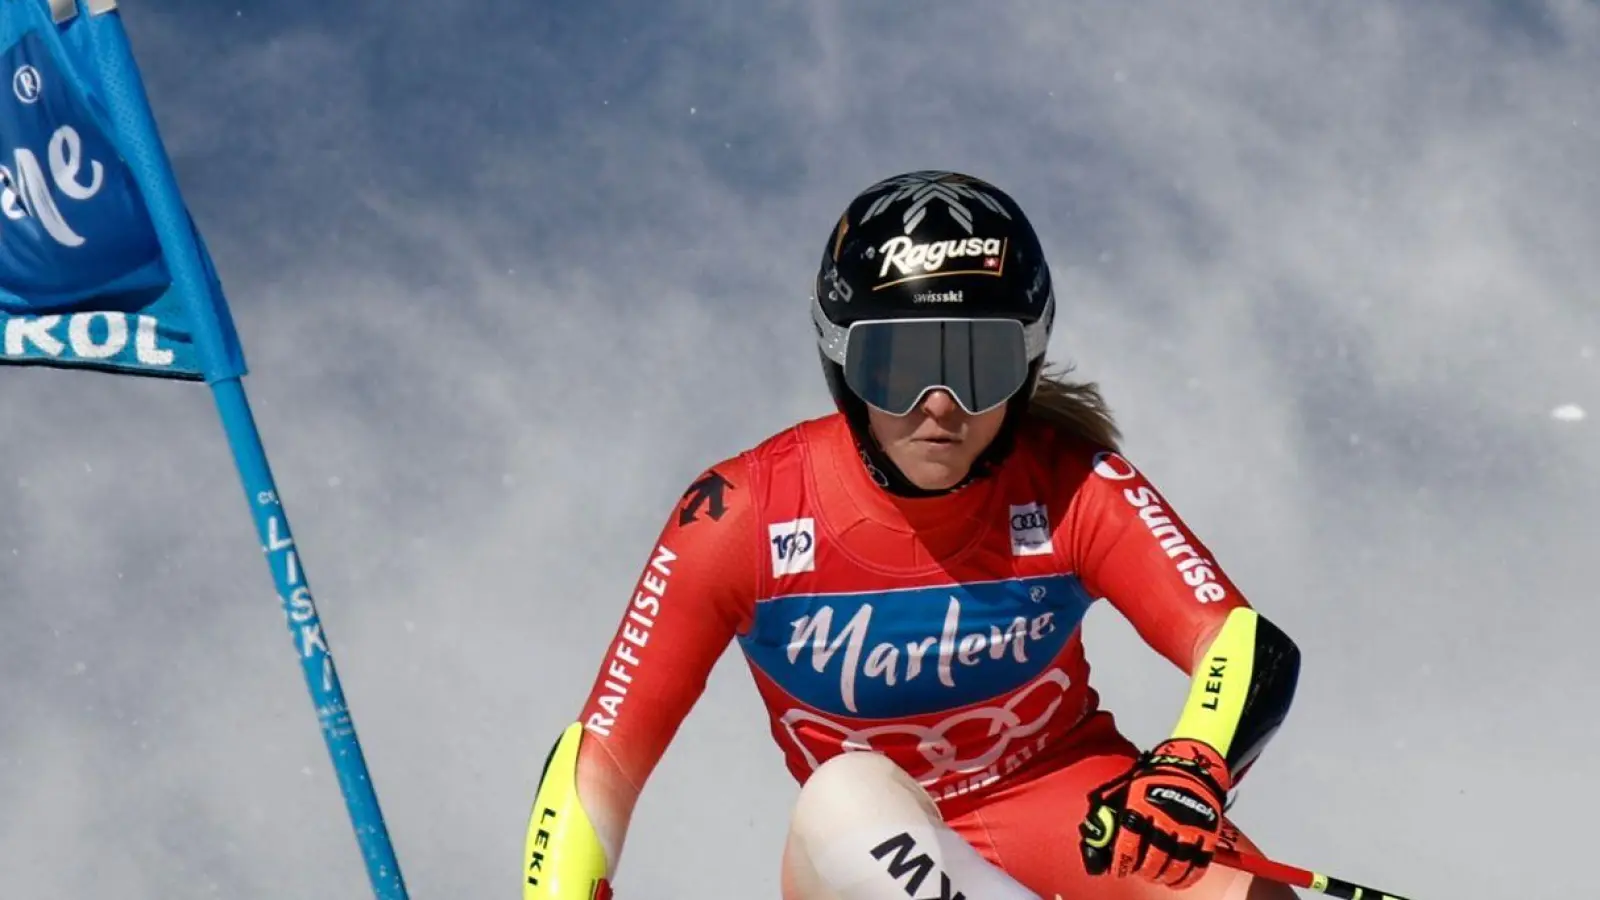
<point x="1161" y="818"/>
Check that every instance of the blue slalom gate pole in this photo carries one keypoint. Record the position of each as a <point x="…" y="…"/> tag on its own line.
<point x="311" y="643"/>
<point x="192" y="272"/>
<point x="102" y="267"/>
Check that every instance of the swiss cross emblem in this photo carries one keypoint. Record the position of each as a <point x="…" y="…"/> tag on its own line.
<point x="991" y="262"/>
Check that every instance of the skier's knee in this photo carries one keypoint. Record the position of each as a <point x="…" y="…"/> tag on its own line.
<point x="860" y="788"/>
<point x="848" y="805"/>
<point x="863" y="829"/>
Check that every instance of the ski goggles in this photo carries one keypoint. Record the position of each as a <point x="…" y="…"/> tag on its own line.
<point x="893" y="364"/>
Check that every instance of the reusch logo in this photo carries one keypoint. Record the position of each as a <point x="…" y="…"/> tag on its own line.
<point x="1183" y="806"/>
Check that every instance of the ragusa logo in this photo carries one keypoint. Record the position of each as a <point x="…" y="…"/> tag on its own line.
<point x="29" y="185"/>
<point x="910" y="258"/>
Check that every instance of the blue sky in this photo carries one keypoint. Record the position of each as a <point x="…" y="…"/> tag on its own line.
<point x="509" y="276"/>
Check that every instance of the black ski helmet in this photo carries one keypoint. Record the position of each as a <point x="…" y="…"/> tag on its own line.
<point x="946" y="285"/>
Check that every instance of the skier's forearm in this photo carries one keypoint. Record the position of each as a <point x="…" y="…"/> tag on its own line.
<point x="1242" y="689"/>
<point x="564" y="858"/>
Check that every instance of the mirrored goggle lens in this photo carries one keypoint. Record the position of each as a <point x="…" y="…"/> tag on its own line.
<point x="891" y="365"/>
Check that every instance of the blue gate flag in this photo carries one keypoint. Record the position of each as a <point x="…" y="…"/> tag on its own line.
<point x="102" y="267"/>
<point x="83" y="277"/>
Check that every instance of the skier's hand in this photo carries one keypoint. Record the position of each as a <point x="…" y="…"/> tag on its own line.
<point x="1160" y="819"/>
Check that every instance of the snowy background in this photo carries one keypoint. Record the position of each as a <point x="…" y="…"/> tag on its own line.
<point x="508" y="275"/>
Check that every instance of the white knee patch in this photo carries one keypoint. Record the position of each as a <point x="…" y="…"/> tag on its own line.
<point x="860" y="788"/>
<point x="863" y="829"/>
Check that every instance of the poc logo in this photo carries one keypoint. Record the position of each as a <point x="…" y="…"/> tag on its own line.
<point x="794" y="546"/>
<point x="839" y="290"/>
<point x="1030" y="530"/>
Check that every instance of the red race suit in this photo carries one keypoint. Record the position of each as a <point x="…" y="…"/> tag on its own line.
<point x="943" y="632"/>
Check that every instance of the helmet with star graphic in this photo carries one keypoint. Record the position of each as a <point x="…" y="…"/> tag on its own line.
<point x="932" y="280"/>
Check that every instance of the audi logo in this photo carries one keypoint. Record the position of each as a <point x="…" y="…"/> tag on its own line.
<point x="1028" y="521"/>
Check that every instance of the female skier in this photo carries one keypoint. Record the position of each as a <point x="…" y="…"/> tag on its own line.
<point x="907" y="578"/>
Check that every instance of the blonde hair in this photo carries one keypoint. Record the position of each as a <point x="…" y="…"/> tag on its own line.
<point x="1075" y="407"/>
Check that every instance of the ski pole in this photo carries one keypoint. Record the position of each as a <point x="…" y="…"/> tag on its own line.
<point x="1262" y="867"/>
